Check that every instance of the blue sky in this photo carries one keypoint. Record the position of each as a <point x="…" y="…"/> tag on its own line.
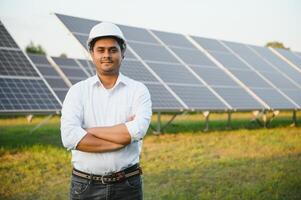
<point x="246" y="21"/>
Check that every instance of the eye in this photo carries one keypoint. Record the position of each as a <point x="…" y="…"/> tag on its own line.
<point x="114" y="50"/>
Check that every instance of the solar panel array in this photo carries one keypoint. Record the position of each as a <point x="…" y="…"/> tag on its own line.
<point x="181" y="72"/>
<point x="22" y="89"/>
<point x="201" y="73"/>
<point x="162" y="96"/>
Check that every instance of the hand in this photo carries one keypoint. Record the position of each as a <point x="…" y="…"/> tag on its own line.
<point x="130" y="118"/>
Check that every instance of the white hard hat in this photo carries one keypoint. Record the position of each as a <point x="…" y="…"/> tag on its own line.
<point x="105" y="29"/>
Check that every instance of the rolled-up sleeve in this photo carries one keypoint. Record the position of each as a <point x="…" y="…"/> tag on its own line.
<point x="143" y="113"/>
<point x="72" y="118"/>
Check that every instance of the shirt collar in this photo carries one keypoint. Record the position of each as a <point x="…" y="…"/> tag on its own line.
<point x="121" y="79"/>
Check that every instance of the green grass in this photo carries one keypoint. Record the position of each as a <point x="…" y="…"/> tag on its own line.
<point x="247" y="162"/>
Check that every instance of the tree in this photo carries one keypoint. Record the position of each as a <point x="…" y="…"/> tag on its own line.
<point x="275" y="44"/>
<point x="63" y="55"/>
<point x="35" y="49"/>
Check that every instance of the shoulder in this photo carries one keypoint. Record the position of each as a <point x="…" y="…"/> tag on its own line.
<point x="81" y="85"/>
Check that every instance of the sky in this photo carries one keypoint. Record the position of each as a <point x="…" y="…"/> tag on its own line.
<point x="246" y="21"/>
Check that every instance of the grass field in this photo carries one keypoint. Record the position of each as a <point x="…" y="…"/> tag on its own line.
<point x="247" y="162"/>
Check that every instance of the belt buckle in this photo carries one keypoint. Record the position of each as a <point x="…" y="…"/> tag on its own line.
<point x="102" y="181"/>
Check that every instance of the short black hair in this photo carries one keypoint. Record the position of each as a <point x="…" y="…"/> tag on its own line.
<point x="120" y="42"/>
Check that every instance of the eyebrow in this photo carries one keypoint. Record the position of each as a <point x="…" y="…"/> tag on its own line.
<point x="103" y="47"/>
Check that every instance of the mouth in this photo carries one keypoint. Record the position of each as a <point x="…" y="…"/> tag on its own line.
<point x="106" y="62"/>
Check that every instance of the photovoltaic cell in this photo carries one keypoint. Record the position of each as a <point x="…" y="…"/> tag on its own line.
<point x="210" y="44"/>
<point x="153" y="53"/>
<point x="192" y="57"/>
<point x="230" y="61"/>
<point x="242" y="100"/>
<point x="199" y="98"/>
<point x="214" y="76"/>
<point x="174" y="73"/>
<point x="250" y="78"/>
<point x="14" y="63"/>
<point x="135" y="70"/>
<point x="161" y="98"/>
<point x="173" y="40"/>
<point x="137" y="34"/>
<point x="24" y="95"/>
<point x="273" y="98"/>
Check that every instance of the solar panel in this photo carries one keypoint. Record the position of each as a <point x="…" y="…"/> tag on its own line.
<point x="88" y="65"/>
<point x="51" y="75"/>
<point x="198" y="98"/>
<point x="26" y="95"/>
<point x="246" y="74"/>
<point x="22" y="89"/>
<point x="204" y="68"/>
<point x="150" y="52"/>
<point x="169" y="69"/>
<point x="282" y="66"/>
<point x="71" y="69"/>
<point x="265" y="70"/>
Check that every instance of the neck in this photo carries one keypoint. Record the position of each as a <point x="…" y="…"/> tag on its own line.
<point x="108" y="81"/>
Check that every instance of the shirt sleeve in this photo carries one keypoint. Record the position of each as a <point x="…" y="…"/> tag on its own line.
<point x="72" y="118"/>
<point x="143" y="113"/>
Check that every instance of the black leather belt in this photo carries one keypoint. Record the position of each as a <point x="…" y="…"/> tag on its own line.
<point x="111" y="178"/>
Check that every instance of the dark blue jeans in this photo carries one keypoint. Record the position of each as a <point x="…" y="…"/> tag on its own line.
<point x="130" y="189"/>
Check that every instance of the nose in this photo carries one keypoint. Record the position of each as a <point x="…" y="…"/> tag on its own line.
<point x="106" y="54"/>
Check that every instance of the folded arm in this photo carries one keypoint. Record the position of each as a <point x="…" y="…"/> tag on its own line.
<point x="136" y="126"/>
<point x="90" y="143"/>
<point x="72" y="133"/>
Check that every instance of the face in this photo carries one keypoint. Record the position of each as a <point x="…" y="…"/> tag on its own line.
<point x="107" y="56"/>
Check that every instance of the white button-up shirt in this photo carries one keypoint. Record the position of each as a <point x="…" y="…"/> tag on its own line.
<point x="89" y="104"/>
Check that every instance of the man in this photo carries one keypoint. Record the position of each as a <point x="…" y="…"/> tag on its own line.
<point x="104" y="119"/>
